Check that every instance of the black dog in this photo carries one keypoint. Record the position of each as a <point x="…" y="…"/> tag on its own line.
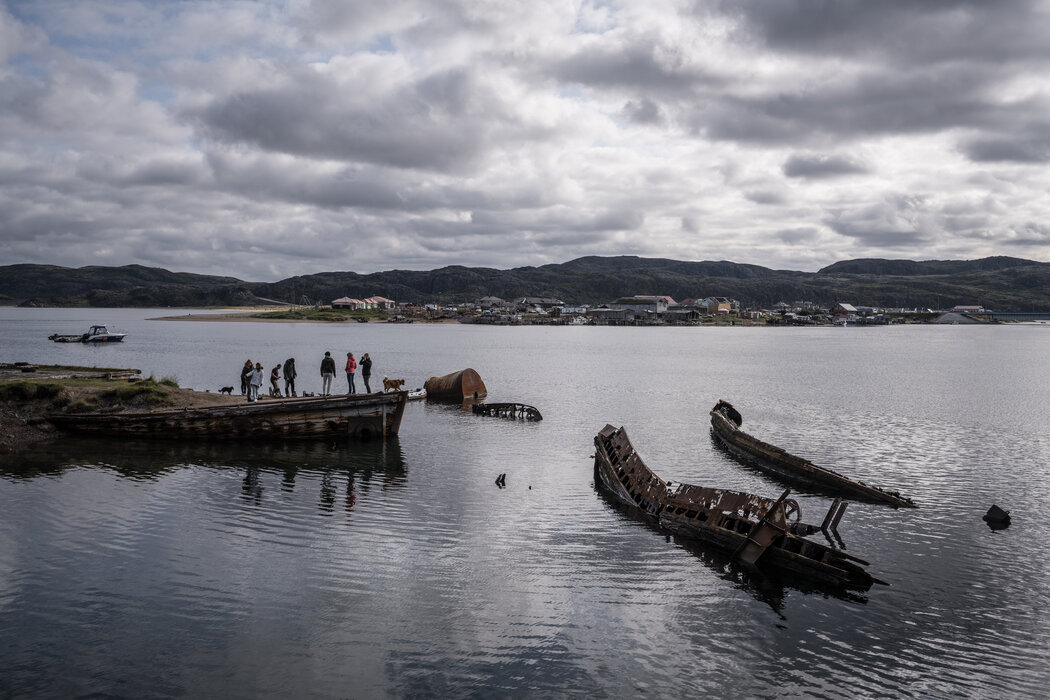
<point x="226" y="390"/>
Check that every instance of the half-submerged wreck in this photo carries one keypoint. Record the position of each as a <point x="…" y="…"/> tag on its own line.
<point x="465" y="384"/>
<point x="725" y="425"/>
<point x="359" y="416"/>
<point x="758" y="531"/>
<point x="518" y="411"/>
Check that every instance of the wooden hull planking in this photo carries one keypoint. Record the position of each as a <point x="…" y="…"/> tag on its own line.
<point x="726" y="519"/>
<point x="725" y="421"/>
<point x="361" y="416"/>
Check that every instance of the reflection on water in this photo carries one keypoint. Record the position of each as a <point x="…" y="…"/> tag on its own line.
<point x="250" y="570"/>
<point x="340" y="467"/>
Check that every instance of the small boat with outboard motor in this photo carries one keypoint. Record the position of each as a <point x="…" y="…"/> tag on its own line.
<point x="96" y="334"/>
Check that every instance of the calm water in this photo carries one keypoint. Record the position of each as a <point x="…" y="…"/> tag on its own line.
<point x="400" y="569"/>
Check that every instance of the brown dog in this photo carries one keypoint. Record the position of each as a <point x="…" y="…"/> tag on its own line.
<point x="393" y="384"/>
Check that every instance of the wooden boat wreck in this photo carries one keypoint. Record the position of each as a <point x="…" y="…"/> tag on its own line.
<point x="760" y="532"/>
<point x="465" y="384"/>
<point x="725" y="425"/>
<point x="358" y="416"/>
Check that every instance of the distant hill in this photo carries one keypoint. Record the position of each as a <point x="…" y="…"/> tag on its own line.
<point x="130" y="285"/>
<point x="1000" y="283"/>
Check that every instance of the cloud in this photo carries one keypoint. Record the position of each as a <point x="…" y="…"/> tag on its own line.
<point x="1007" y="149"/>
<point x="822" y="166"/>
<point x="643" y="111"/>
<point x="366" y="136"/>
<point x="897" y="223"/>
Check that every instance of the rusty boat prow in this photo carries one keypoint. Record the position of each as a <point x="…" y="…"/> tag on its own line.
<point x="354" y="416"/>
<point x="464" y="384"/>
<point x="758" y="531"/>
<point x="725" y="425"/>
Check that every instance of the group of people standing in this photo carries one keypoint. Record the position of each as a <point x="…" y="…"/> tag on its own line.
<point x="352" y="365"/>
<point x="252" y="379"/>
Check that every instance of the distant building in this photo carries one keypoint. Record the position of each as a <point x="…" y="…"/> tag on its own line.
<point x="844" y="311"/>
<point x="381" y="303"/>
<point x="348" y="303"/>
<point x="489" y="302"/>
<point x="641" y="304"/>
<point x="968" y="309"/>
<point x="541" y="303"/>
<point x="721" y="306"/>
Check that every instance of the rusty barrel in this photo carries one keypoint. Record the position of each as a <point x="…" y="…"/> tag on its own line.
<point x="457" y="386"/>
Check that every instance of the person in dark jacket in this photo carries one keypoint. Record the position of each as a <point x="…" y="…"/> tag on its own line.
<point x="289" y="377"/>
<point x="366" y="371"/>
<point x="246" y="376"/>
<point x="327" y="374"/>
<point x="275" y="378"/>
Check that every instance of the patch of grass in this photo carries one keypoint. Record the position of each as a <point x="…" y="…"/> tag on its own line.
<point x="146" y="393"/>
<point x="169" y="382"/>
<point x="27" y="391"/>
<point x="80" y="407"/>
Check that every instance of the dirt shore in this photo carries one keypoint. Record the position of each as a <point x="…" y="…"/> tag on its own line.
<point x="27" y="398"/>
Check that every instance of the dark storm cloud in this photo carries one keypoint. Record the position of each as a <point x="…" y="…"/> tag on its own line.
<point x="873" y="103"/>
<point x="441" y="122"/>
<point x="1008" y="149"/>
<point x="904" y="31"/>
<point x="643" y="111"/>
<point x="822" y="166"/>
<point x="265" y="179"/>
<point x="895" y="222"/>
<point x="765" y="197"/>
<point x="644" y="62"/>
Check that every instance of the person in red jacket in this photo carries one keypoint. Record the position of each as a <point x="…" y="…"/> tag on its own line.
<point x="351" y="367"/>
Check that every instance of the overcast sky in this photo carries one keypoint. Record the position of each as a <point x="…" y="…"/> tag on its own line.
<point x="267" y="139"/>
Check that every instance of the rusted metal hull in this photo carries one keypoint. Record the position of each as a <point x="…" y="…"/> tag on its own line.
<point x="360" y="416"/>
<point x="725" y="425"/>
<point x="507" y="410"/>
<point x="754" y="528"/>
<point x="465" y="384"/>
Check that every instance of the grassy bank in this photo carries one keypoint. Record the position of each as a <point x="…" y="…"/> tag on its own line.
<point x="28" y="395"/>
<point x="330" y="315"/>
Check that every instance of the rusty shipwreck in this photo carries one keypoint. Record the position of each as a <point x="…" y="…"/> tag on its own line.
<point x="725" y="425"/>
<point x="464" y="384"/>
<point x="357" y="416"/>
<point x="758" y="531"/>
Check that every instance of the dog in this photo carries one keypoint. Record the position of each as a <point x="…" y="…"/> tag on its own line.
<point x="393" y="384"/>
<point x="226" y="390"/>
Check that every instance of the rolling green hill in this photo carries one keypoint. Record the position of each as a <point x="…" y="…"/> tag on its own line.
<point x="1000" y="283"/>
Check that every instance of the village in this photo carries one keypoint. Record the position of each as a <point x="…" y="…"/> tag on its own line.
<point x="644" y="310"/>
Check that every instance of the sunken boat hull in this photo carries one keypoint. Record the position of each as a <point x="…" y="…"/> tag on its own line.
<point x="357" y="416"/>
<point x="725" y="426"/>
<point x="756" y="530"/>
